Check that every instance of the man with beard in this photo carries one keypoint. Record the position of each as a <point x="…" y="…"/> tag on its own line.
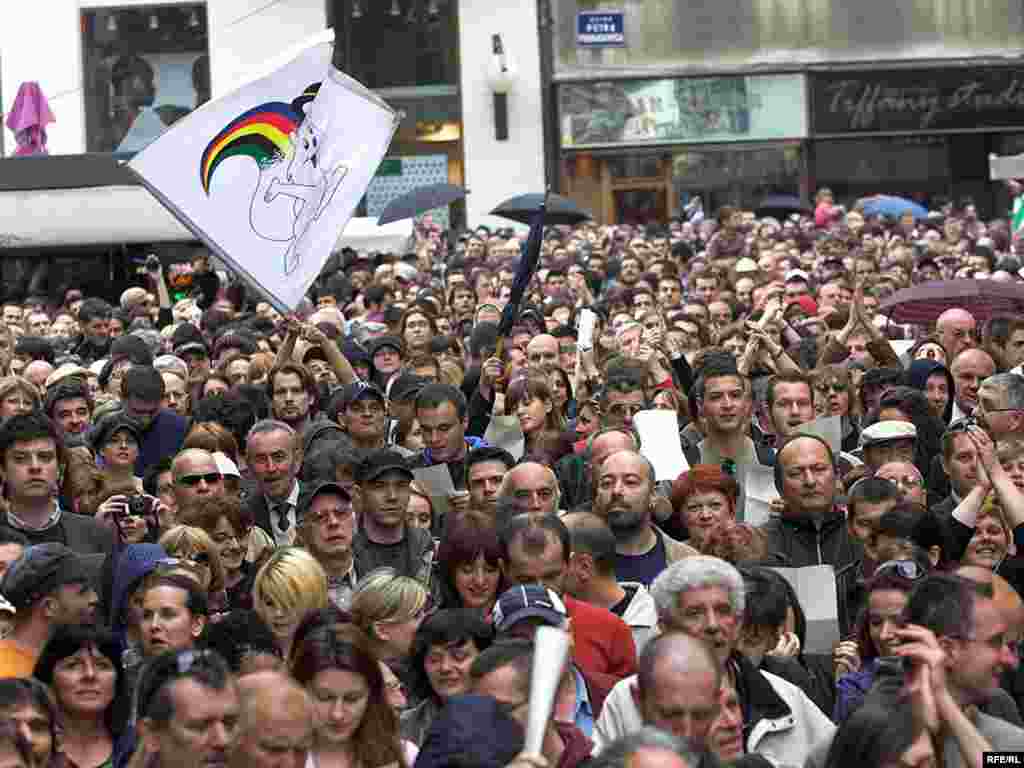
<point x="625" y="500"/>
<point x="293" y="400"/>
<point x="363" y="414"/>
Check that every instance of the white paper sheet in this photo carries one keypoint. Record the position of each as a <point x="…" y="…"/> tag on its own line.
<point x="815" y="587"/>
<point x="758" y="486"/>
<point x="436" y="480"/>
<point x="901" y="346"/>
<point x="585" y="329"/>
<point x="829" y="429"/>
<point x="659" y="442"/>
<point x="505" y="432"/>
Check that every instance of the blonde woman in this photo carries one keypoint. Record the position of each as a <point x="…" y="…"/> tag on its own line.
<point x="288" y="586"/>
<point x="389" y="609"/>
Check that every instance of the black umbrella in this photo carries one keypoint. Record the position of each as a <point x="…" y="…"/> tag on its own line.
<point x="781" y="206"/>
<point x="560" y="210"/>
<point x="421" y="199"/>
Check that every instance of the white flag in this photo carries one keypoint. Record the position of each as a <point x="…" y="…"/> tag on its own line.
<point x="269" y="175"/>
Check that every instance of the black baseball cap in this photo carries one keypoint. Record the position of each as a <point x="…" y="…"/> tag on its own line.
<point x="380" y="462"/>
<point x="360" y="390"/>
<point x="406" y="387"/>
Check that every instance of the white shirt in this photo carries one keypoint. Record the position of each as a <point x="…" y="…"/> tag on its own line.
<point x="287" y="537"/>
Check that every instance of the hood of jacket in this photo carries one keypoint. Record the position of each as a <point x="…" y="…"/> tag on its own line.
<point x="133" y="563"/>
<point x="917" y="377"/>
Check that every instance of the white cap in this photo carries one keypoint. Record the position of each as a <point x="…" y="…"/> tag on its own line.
<point x="225" y="465"/>
<point x="797" y="274"/>
<point x="887" y="431"/>
<point x="746" y="265"/>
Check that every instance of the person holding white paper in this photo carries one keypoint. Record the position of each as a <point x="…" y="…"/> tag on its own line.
<point x="724" y="403"/>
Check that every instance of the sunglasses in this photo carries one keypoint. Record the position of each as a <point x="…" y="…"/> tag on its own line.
<point x="907" y="569"/>
<point x="190" y="481"/>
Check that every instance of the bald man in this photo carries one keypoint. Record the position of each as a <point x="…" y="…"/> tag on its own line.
<point x="38" y="371"/>
<point x="275" y="727"/>
<point x="543" y="350"/>
<point x="196" y="477"/>
<point x="675" y="689"/>
<point x="957" y="330"/>
<point x="532" y="488"/>
<point x="969" y="369"/>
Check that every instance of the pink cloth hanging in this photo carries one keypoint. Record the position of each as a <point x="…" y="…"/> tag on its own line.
<point x="28" y="119"/>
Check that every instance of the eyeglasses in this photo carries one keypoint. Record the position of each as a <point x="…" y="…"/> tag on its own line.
<point x="123" y="442"/>
<point x="190" y="481"/>
<point x="341" y="515"/>
<point x="907" y="569"/>
<point x="835" y="386"/>
<point x="368" y="409"/>
<point x="169" y="566"/>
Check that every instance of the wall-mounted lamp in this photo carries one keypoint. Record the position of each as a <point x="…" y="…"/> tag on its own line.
<point x="500" y="77"/>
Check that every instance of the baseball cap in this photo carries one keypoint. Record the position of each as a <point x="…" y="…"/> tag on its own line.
<point x="745" y="265"/>
<point x="797" y="274"/>
<point x="406" y="387"/>
<point x="225" y="465"/>
<point x="40" y="570"/>
<point x="360" y="390"/>
<point x="887" y="431"/>
<point x="380" y="462"/>
<point x="377" y="345"/>
<point x="525" y="601"/>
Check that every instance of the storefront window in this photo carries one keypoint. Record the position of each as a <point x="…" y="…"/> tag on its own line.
<point x="145" y="68"/>
<point x="911" y="166"/>
<point x="741" y="176"/>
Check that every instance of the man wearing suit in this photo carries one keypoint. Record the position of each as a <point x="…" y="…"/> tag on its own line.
<point x="274" y="454"/>
<point x="32" y="460"/>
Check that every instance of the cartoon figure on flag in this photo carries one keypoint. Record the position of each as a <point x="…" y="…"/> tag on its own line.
<point x="294" y="188"/>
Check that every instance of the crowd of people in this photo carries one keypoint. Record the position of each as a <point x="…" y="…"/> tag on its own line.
<point x="225" y="541"/>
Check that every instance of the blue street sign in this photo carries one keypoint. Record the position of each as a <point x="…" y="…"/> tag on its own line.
<point x="600" y="29"/>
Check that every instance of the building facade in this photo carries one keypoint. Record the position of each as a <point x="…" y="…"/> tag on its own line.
<point x="737" y="100"/>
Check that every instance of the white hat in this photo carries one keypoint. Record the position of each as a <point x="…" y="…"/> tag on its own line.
<point x="225" y="465"/>
<point x="745" y="265"/>
<point x="887" y="431"/>
<point x="797" y="274"/>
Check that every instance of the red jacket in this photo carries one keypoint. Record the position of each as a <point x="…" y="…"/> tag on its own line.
<point x="602" y="642"/>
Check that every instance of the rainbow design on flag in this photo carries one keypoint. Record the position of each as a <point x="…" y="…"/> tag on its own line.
<point x="261" y="133"/>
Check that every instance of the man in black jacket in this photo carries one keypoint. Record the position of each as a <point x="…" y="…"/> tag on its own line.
<point x="812" y="530"/>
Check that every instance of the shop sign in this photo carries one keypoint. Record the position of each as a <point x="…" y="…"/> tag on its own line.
<point x="917" y="100"/>
<point x="601" y="29"/>
<point x="682" y="110"/>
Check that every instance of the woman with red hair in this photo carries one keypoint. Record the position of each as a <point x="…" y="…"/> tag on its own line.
<point x="704" y="499"/>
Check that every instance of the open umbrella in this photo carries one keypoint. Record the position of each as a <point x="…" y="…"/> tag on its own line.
<point x="425" y="198"/>
<point x="559" y="210"/>
<point x="982" y="298"/>
<point x="781" y="206"/>
<point x="888" y="205"/>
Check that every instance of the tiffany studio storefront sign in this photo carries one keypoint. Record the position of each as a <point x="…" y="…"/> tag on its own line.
<point x="933" y="101"/>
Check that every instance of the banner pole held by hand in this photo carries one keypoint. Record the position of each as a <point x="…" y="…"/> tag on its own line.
<point x="551" y="650"/>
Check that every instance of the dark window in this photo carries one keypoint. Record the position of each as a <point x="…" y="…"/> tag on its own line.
<point x="145" y="68"/>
